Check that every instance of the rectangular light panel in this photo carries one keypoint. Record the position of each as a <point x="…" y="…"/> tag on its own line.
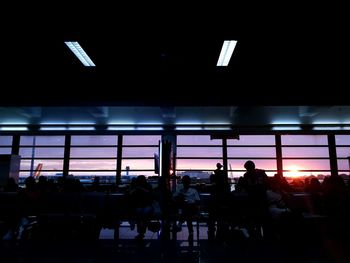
<point x="226" y="52"/>
<point x="80" y="53"/>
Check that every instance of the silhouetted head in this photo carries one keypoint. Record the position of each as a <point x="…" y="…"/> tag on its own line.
<point x="141" y="180"/>
<point x="30" y="182"/>
<point x="219" y="165"/>
<point x="249" y="165"/>
<point x="186" y="181"/>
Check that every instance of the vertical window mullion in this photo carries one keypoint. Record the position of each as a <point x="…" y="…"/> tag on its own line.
<point x="224" y="154"/>
<point x="279" y="154"/>
<point x="66" y="157"/>
<point x="119" y="159"/>
<point x="15" y="144"/>
<point x="332" y="154"/>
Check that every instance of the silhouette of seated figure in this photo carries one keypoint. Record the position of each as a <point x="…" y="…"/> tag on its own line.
<point x="141" y="199"/>
<point x="186" y="199"/>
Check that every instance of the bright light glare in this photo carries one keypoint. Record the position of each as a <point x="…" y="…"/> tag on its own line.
<point x="80" y="54"/>
<point x="226" y="52"/>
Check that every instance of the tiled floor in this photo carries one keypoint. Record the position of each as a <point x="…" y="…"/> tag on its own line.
<point x="127" y="233"/>
<point x="154" y="250"/>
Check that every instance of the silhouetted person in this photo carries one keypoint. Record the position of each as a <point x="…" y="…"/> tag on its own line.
<point x="187" y="199"/>
<point x="42" y="184"/>
<point x="335" y="193"/>
<point x="219" y="192"/>
<point x="163" y="197"/>
<point x="314" y="186"/>
<point x="141" y="198"/>
<point x="255" y="183"/>
<point x="282" y="183"/>
<point x="11" y="185"/>
<point x="95" y="187"/>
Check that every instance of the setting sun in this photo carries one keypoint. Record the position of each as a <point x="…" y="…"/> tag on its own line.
<point x="293" y="171"/>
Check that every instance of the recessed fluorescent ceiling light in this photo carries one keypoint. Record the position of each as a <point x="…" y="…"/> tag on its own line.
<point x="80" y="53"/>
<point x="16" y="128"/>
<point x="226" y="52"/>
<point x="290" y="128"/>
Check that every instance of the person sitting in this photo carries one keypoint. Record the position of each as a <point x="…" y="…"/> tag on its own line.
<point x="141" y="199"/>
<point x="187" y="199"/>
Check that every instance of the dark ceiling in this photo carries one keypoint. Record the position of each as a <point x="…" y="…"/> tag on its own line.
<point x="166" y="54"/>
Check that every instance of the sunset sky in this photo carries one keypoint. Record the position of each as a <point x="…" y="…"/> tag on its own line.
<point x="138" y="153"/>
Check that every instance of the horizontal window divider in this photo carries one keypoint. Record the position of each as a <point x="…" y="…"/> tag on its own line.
<point x="211" y="170"/>
<point x="318" y="170"/>
<point x="199" y="146"/>
<point x="204" y="158"/>
<point x="93" y="158"/>
<point x="251" y="146"/>
<point x="243" y="171"/>
<point x="343" y="158"/>
<point x="43" y="170"/>
<point x="84" y="170"/>
<point x="305" y="158"/>
<point x="138" y="170"/>
<point x="251" y="158"/>
<point x="137" y="158"/>
<point x="94" y="146"/>
<point x="139" y="146"/>
<point x="42" y="158"/>
<point x="42" y="146"/>
<point x="306" y="146"/>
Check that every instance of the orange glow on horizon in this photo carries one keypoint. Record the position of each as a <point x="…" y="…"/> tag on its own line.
<point x="293" y="171"/>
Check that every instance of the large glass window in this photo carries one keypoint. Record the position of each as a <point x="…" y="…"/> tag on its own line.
<point x="197" y="155"/>
<point x="93" y="155"/>
<point x="41" y="155"/>
<point x="138" y="154"/>
<point x="305" y="155"/>
<point x="5" y="144"/>
<point x="260" y="149"/>
<point x="343" y="153"/>
<point x="252" y="140"/>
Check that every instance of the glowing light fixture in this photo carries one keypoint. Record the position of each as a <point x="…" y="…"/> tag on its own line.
<point x="80" y="53"/>
<point x="226" y="52"/>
